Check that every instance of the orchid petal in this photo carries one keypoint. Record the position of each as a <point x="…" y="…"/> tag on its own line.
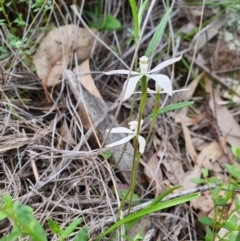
<point x="131" y="86"/>
<point x="120" y="130"/>
<point x="163" y="81"/>
<point x="134" y="124"/>
<point x="120" y="142"/>
<point x="121" y="71"/>
<point x="142" y="144"/>
<point x="165" y="64"/>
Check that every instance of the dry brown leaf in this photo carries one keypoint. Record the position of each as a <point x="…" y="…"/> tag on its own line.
<point x="173" y="167"/>
<point x="225" y="120"/>
<point x="142" y="226"/>
<point x="86" y="80"/>
<point x="54" y="53"/>
<point x="210" y="156"/>
<point x="203" y="204"/>
<point x="187" y="95"/>
<point x="171" y="160"/>
<point x="155" y="179"/>
<point x="65" y="133"/>
<point x="186" y="180"/>
<point x="189" y="145"/>
<point x="199" y="143"/>
<point x="181" y="116"/>
<point x="94" y="111"/>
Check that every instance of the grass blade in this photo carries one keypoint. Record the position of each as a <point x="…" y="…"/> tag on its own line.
<point x="147" y="211"/>
<point x="171" y="108"/>
<point x="135" y="18"/>
<point x="159" y="32"/>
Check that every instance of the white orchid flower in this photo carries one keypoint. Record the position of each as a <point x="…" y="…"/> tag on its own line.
<point x="161" y="80"/>
<point x="133" y="133"/>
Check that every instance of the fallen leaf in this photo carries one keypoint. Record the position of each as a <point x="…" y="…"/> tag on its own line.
<point x="65" y="133"/>
<point x="186" y="179"/>
<point x="54" y="53"/>
<point x="225" y="120"/>
<point x="188" y="141"/>
<point x="153" y="174"/>
<point x="94" y="116"/>
<point x="187" y="94"/>
<point x="86" y="79"/>
<point x="181" y="116"/>
<point x="170" y="160"/>
<point x="203" y="204"/>
<point x="210" y="156"/>
<point x="142" y="226"/>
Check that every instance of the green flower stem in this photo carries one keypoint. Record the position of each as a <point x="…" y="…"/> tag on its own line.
<point x="154" y="115"/>
<point x="136" y="154"/>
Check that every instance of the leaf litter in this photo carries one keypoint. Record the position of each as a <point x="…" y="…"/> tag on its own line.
<point x="49" y="149"/>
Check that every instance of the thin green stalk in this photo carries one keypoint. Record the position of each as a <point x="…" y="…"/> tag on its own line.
<point x="154" y="115"/>
<point x="137" y="156"/>
<point x="5" y="15"/>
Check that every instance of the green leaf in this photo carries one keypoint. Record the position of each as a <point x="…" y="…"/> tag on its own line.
<point x="109" y="22"/>
<point x="236" y="201"/>
<point x="238" y="236"/>
<point x="2" y="215"/>
<point x="205" y="172"/>
<point x="172" y="107"/>
<point x="235" y="151"/>
<point x="30" y="225"/>
<point x="197" y="180"/>
<point x="149" y="209"/>
<point x="206" y="221"/>
<point x="215" y="192"/>
<point x="141" y="11"/>
<point x="233" y="237"/>
<point x="54" y="226"/>
<point x="71" y="227"/>
<point x="135" y="18"/>
<point x="159" y="32"/>
<point x="214" y="180"/>
<point x="209" y="234"/>
<point x="135" y="197"/>
<point x="106" y="154"/>
<point x="163" y="195"/>
<point x="3" y="53"/>
<point x="233" y="220"/>
<point x="82" y="235"/>
<point x="8" y="203"/>
<point x="220" y="201"/>
<point x="228" y="225"/>
<point x="14" y="234"/>
<point x="234" y="171"/>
